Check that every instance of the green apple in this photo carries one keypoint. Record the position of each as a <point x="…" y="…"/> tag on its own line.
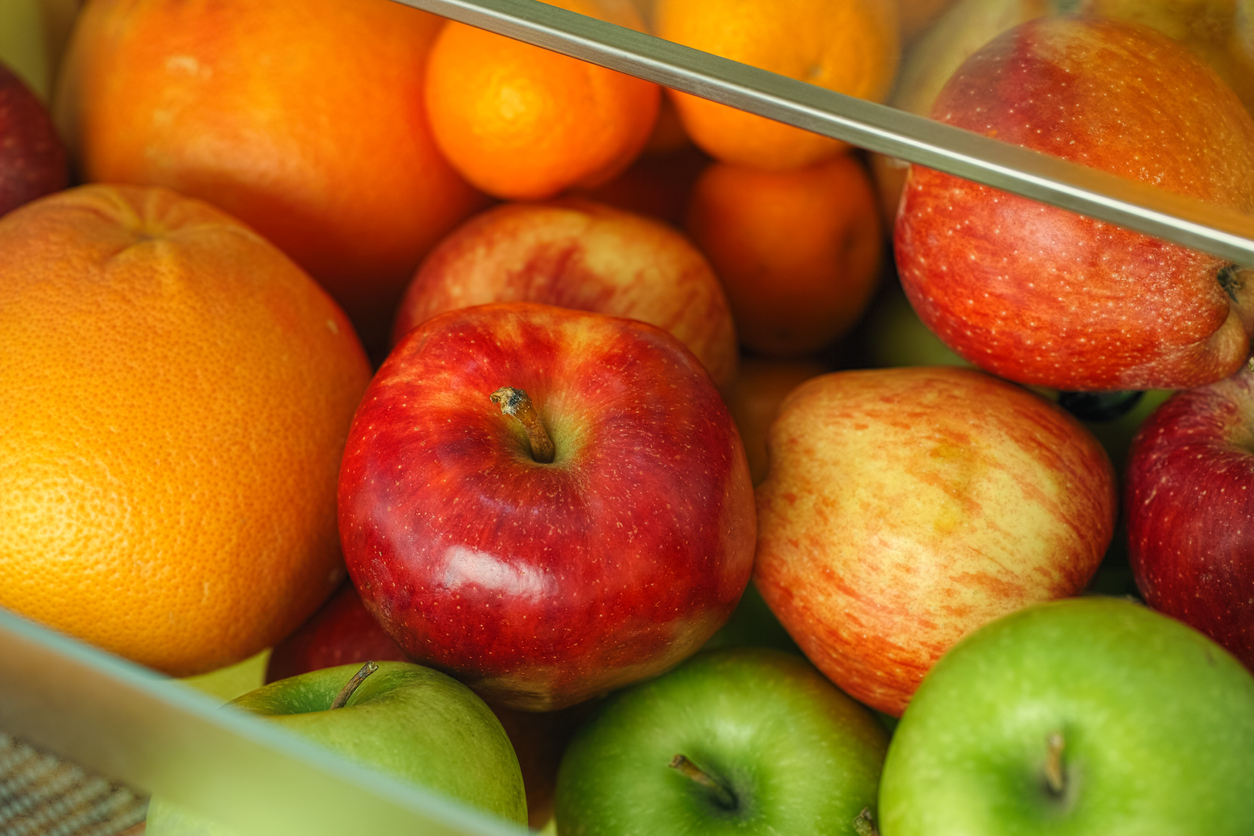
<point x="1091" y="715"/>
<point x="410" y="721"/>
<point x="739" y="740"/>
<point x="233" y="680"/>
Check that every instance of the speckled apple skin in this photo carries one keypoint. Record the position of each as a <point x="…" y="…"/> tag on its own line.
<point x="543" y="585"/>
<point x="580" y="254"/>
<point x="906" y="507"/>
<point x="1044" y="296"/>
<point x="1189" y="500"/>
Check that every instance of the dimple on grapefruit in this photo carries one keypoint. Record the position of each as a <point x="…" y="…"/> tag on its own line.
<point x="303" y="118"/>
<point x="174" y="400"/>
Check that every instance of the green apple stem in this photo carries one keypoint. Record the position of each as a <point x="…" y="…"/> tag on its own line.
<point x="349" y="687"/>
<point x="864" y="823"/>
<point x="515" y="402"/>
<point x="1055" y="778"/>
<point x="723" y="796"/>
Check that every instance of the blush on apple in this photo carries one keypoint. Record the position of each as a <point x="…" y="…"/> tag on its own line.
<point x="580" y="254"/>
<point x="1044" y="296"/>
<point x="906" y="507"/>
<point x="1189" y="502"/>
<point x="550" y="546"/>
<point x="33" y="160"/>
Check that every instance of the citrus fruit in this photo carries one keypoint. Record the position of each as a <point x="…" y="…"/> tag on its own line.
<point x="799" y="252"/>
<point x="303" y="118"/>
<point x="524" y="123"/>
<point x="174" y="402"/>
<point x="850" y="46"/>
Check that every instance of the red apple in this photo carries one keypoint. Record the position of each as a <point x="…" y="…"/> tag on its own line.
<point x="543" y="583"/>
<point x="33" y="161"/>
<point x="343" y="631"/>
<point x="906" y="507"/>
<point x="580" y="254"/>
<point x="1189" y="503"/>
<point x="1044" y="296"/>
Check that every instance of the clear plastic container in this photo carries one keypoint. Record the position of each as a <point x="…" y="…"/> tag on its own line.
<point x="140" y="728"/>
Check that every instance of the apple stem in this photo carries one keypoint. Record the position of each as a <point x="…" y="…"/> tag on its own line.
<point x="1055" y="778"/>
<point x="864" y="823"/>
<point x="723" y="796"/>
<point x="515" y="402"/>
<point x="349" y="687"/>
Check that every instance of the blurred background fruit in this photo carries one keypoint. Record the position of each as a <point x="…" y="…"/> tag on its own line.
<point x="174" y="402"/>
<point x="525" y="123"/>
<point x="303" y="119"/>
<point x="32" y="157"/>
<point x="1220" y="32"/>
<point x="658" y="184"/>
<point x="799" y="252"/>
<point x="583" y="255"/>
<point x="851" y="46"/>
<point x="760" y="387"/>
<point x="917" y="16"/>
<point x="929" y="61"/>
<point x="33" y="34"/>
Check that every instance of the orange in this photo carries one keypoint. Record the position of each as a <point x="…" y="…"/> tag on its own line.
<point x="799" y="252"/>
<point x="850" y="46"/>
<point x="524" y="123"/>
<point x="303" y="118"/>
<point x="174" y="400"/>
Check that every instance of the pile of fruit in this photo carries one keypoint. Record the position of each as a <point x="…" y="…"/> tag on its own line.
<point x="617" y="462"/>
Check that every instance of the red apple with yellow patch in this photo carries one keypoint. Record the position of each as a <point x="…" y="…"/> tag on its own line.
<point x="1044" y="296"/>
<point x="546" y="503"/>
<point x="906" y="507"/>
<point x="581" y="254"/>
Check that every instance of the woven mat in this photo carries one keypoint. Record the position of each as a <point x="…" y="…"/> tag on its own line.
<point x="42" y="795"/>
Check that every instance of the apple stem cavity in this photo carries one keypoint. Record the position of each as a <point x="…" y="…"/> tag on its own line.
<point x="1230" y="280"/>
<point x="1055" y="778"/>
<point x="349" y="687"/>
<point x="516" y="402"/>
<point x="864" y="823"/>
<point x="723" y="796"/>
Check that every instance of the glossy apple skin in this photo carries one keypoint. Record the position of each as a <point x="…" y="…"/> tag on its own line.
<point x="799" y="755"/>
<point x="1043" y="296"/>
<point x="33" y="160"/>
<point x="906" y="507"/>
<point x="586" y="255"/>
<point x="344" y="632"/>
<point x="541" y="585"/>
<point x="1157" y="723"/>
<point x="1189" y="503"/>
<point x="407" y="721"/>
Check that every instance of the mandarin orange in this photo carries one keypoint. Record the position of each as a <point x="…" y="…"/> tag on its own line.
<point x="799" y="252"/>
<point x="850" y="46"/>
<point x="303" y="118"/>
<point x="174" y="401"/>
<point x="524" y="123"/>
